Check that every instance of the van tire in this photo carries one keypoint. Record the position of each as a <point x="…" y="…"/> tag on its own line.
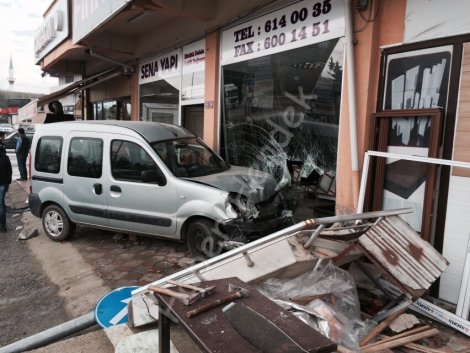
<point x="201" y="240"/>
<point x="56" y="223"/>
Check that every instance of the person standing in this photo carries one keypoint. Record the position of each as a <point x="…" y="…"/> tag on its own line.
<point x="22" y="150"/>
<point x="5" y="181"/>
<point x="2" y="137"/>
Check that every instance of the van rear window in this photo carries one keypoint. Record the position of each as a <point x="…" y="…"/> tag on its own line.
<point x="48" y="152"/>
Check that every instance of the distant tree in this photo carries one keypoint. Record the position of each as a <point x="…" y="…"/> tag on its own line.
<point x="335" y="71"/>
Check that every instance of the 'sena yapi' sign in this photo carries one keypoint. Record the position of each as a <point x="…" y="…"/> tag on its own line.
<point x="164" y="66"/>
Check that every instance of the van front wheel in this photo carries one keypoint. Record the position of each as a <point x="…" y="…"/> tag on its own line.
<point x="56" y="224"/>
<point x="202" y="240"/>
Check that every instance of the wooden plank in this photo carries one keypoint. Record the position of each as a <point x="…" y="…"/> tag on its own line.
<point x="420" y="348"/>
<point x="462" y="139"/>
<point x="463" y="110"/>
<point x="382" y="326"/>
<point x="461" y="172"/>
<point x="402" y="341"/>
<point x="463" y="124"/>
<point x="404" y="334"/>
<point x="461" y="154"/>
<point x="464" y="96"/>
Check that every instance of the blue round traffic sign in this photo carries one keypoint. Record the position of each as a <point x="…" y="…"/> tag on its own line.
<point x="112" y="308"/>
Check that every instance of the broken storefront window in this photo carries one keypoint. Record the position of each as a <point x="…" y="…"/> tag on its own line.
<point x="283" y="110"/>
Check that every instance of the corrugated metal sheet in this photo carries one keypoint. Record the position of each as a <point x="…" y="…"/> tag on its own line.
<point x="410" y="261"/>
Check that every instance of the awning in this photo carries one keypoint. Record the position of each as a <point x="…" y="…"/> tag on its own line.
<point x="81" y="85"/>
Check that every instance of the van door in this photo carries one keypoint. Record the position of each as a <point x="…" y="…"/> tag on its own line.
<point x="136" y="204"/>
<point x="84" y="180"/>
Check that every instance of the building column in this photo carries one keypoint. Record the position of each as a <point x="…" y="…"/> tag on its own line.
<point x="388" y="28"/>
<point x="211" y="94"/>
<point x="135" y="99"/>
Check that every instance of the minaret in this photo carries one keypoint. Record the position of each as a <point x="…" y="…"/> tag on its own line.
<point x="11" y="76"/>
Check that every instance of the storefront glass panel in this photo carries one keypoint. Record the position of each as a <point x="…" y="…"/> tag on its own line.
<point x="281" y="112"/>
<point x="193" y="86"/>
<point x="159" y="100"/>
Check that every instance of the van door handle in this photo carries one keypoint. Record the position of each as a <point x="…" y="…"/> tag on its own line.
<point x="98" y="188"/>
<point x="115" y="188"/>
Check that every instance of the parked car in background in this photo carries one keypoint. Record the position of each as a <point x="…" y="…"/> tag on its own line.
<point x="10" y="140"/>
<point x="6" y="128"/>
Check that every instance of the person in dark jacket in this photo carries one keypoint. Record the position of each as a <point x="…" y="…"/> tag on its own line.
<point x="5" y="181"/>
<point x="22" y="150"/>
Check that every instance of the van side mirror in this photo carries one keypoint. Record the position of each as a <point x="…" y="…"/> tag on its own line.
<point x="153" y="176"/>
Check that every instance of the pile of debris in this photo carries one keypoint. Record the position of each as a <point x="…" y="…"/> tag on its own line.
<point x="352" y="278"/>
<point x="385" y="268"/>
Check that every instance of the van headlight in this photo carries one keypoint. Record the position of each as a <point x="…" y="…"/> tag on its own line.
<point x="244" y="207"/>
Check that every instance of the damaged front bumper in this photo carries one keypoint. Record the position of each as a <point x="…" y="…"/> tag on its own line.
<point x="255" y="229"/>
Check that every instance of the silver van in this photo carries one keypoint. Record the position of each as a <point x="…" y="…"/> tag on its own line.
<point x="147" y="178"/>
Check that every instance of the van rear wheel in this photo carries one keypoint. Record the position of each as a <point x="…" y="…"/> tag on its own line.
<point x="56" y="223"/>
<point x="202" y="240"/>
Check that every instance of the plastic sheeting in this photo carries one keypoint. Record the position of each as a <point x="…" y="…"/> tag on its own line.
<point x="334" y="309"/>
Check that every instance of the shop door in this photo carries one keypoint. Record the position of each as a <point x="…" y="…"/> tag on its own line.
<point x="410" y="120"/>
<point x="193" y="119"/>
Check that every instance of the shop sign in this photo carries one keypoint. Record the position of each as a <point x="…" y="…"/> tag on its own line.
<point x="164" y="66"/>
<point x="53" y="30"/>
<point x="90" y="14"/>
<point x="430" y="19"/>
<point x="9" y="110"/>
<point x="303" y="23"/>
<point x="194" y="57"/>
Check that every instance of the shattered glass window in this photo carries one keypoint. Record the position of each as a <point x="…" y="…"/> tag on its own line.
<point x="283" y="109"/>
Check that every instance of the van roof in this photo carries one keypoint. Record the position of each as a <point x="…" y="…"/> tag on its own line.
<point x="151" y="131"/>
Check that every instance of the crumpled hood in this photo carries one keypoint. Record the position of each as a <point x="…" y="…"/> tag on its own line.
<point x="256" y="185"/>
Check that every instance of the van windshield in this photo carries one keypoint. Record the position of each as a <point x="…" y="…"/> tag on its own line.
<point x="189" y="157"/>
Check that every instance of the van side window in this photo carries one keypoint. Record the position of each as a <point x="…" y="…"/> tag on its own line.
<point x="85" y="157"/>
<point x="48" y="153"/>
<point x="129" y="160"/>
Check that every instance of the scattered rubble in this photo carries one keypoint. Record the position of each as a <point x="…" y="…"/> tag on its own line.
<point x="358" y="283"/>
<point x="28" y="234"/>
<point x="404" y="322"/>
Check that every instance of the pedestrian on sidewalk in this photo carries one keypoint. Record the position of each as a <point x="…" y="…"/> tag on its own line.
<point x="22" y="150"/>
<point x="5" y="181"/>
<point x="2" y="137"/>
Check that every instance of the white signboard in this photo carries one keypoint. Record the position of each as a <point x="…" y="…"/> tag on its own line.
<point x="90" y="14"/>
<point x="164" y="66"/>
<point x="303" y="23"/>
<point x="53" y="30"/>
<point x="194" y="57"/>
<point x="429" y="19"/>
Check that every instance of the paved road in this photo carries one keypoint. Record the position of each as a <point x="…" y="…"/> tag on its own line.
<point x="29" y="301"/>
<point x="44" y="283"/>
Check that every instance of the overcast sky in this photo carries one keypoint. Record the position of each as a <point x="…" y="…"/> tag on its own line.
<point x="19" y="20"/>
